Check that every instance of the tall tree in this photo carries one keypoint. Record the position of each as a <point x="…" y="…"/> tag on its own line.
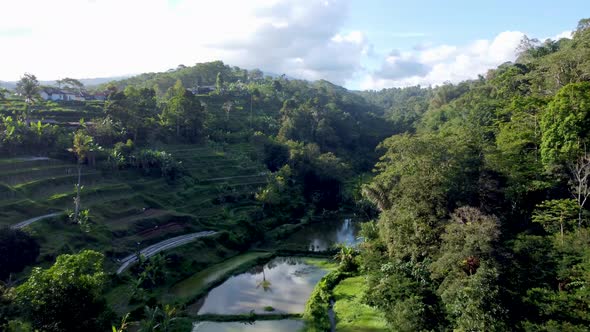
<point x="183" y="112"/>
<point x="566" y="124"/>
<point x="71" y="83"/>
<point x="28" y="88"/>
<point x="81" y="146"/>
<point x="556" y="216"/>
<point x="219" y="82"/>
<point x="580" y="182"/>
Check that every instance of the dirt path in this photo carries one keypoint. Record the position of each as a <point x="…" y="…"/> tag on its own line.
<point x="236" y="177"/>
<point x="32" y="220"/>
<point x="161" y="246"/>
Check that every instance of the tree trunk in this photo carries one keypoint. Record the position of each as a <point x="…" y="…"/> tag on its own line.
<point x="27" y="113"/>
<point x="77" y="200"/>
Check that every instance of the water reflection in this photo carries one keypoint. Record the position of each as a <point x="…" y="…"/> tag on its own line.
<point x="284" y="325"/>
<point x="281" y="286"/>
<point x="322" y="236"/>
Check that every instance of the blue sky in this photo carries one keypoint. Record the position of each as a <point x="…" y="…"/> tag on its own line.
<point x="456" y="22"/>
<point x="405" y="25"/>
<point x="368" y="44"/>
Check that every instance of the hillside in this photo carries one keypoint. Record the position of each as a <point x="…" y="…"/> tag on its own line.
<point x="197" y="178"/>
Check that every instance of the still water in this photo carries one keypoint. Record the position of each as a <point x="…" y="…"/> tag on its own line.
<point x="322" y="236"/>
<point x="284" y="325"/>
<point x="283" y="284"/>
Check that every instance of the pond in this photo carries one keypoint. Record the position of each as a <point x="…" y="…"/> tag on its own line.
<point x="283" y="285"/>
<point x="322" y="236"/>
<point x="283" y="325"/>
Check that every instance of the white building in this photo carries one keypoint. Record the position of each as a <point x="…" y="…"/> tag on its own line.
<point x="55" y="94"/>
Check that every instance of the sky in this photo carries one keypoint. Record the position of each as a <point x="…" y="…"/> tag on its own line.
<point x="360" y="44"/>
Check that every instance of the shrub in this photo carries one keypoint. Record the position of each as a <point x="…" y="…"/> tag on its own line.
<point x="17" y="250"/>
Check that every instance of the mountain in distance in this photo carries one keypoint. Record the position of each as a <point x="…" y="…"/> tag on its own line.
<point x="88" y="82"/>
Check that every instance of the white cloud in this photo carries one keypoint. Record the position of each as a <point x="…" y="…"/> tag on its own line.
<point x="566" y="34"/>
<point x="95" y="38"/>
<point x="305" y="39"/>
<point x="435" y="65"/>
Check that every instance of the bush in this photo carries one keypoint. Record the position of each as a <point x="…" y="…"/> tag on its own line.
<point x="17" y="250"/>
<point x="316" y="310"/>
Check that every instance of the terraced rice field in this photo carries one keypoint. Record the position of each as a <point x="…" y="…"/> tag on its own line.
<point x="126" y="207"/>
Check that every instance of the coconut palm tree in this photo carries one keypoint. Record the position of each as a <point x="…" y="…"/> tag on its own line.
<point x="81" y="147"/>
<point x="28" y="88"/>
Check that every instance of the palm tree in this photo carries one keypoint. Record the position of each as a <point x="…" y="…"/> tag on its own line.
<point x="28" y="87"/>
<point x="82" y="145"/>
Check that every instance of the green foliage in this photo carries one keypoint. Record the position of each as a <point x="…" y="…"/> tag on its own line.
<point x="316" y="309"/>
<point x="346" y="255"/>
<point x="351" y="313"/>
<point x="17" y="250"/>
<point x="68" y="295"/>
<point x="417" y="176"/>
<point x="28" y="87"/>
<point x="486" y="143"/>
<point x="158" y="319"/>
<point x="159" y="163"/>
<point x="402" y="290"/>
<point x="469" y="289"/>
<point x="468" y="241"/>
<point x="135" y="108"/>
<point x="473" y="303"/>
<point x="183" y="113"/>
<point x="565" y="125"/>
<point x="82" y="145"/>
<point x="8" y="309"/>
<point x="16" y="136"/>
<point x="557" y="216"/>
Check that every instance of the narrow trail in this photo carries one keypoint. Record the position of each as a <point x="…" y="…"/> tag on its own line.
<point x="236" y="177"/>
<point x="32" y="220"/>
<point x="161" y="246"/>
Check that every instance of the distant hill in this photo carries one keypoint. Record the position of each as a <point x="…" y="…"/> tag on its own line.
<point x="88" y="82"/>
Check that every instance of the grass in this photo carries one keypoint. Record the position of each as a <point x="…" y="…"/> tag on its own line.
<point x="351" y="313"/>
<point x="322" y="263"/>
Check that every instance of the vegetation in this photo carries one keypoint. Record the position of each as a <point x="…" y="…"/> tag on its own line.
<point x="478" y="196"/>
<point x="351" y="313"/>
<point x="17" y="250"/>
<point x="483" y="220"/>
<point x="67" y="296"/>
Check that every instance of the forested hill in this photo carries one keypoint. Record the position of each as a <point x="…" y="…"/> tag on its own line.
<point x="484" y="220"/>
<point x="239" y="102"/>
